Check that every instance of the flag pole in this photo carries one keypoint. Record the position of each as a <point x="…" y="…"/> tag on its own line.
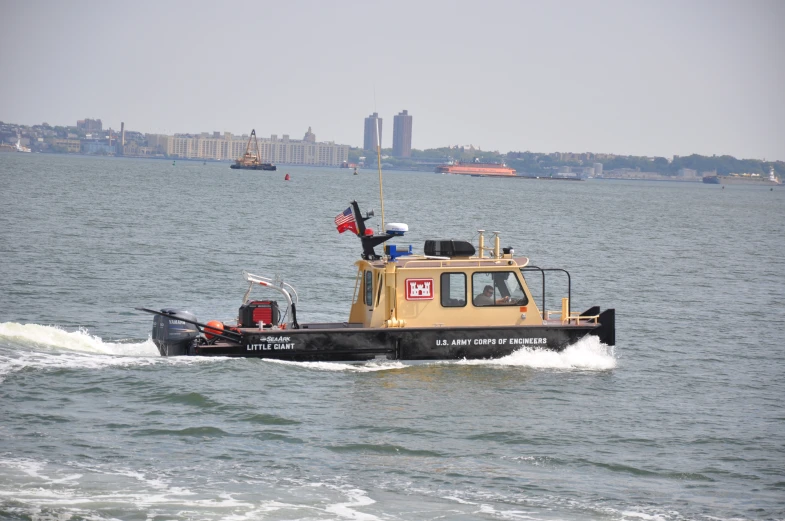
<point x="379" y="162"/>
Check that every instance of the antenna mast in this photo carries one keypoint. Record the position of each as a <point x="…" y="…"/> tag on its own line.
<point x="379" y="162"/>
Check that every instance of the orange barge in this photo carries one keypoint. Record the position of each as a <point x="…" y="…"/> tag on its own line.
<point x="476" y="169"/>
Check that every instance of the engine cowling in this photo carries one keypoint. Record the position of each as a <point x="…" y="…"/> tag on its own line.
<point x="172" y="335"/>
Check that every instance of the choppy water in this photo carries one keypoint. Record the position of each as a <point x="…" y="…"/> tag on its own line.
<point x="683" y="419"/>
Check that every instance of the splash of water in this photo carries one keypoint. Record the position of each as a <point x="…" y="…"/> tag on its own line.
<point x="588" y="353"/>
<point x="43" y="348"/>
<point x="80" y="340"/>
<point x="366" y="367"/>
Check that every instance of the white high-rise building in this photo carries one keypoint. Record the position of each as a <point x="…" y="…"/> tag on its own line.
<point x="272" y="150"/>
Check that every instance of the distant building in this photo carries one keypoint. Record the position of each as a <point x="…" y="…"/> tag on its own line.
<point x="402" y="135"/>
<point x="89" y="124"/>
<point x="371" y="138"/>
<point x="272" y="149"/>
<point x="309" y="137"/>
<point x="597" y="169"/>
<point x="69" y="145"/>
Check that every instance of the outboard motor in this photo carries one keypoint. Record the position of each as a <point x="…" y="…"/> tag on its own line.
<point x="174" y="336"/>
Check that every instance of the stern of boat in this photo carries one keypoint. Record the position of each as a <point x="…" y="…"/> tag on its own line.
<point x="606" y="331"/>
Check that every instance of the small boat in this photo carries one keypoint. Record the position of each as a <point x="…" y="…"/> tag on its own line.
<point x="252" y="160"/>
<point x="450" y="302"/>
<point x="19" y="147"/>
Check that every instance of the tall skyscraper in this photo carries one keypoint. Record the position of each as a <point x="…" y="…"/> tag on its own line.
<point x="402" y="135"/>
<point x="370" y="141"/>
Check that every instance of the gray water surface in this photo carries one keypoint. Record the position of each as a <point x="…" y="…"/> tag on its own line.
<point x="682" y="419"/>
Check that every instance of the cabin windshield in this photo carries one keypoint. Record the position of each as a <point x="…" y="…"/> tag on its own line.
<point x="497" y="288"/>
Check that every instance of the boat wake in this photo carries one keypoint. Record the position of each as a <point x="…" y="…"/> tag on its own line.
<point x="45" y="348"/>
<point x="588" y="353"/>
<point x="53" y="337"/>
<point x="354" y="367"/>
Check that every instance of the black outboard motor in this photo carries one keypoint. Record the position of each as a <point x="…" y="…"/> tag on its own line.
<point x="172" y="336"/>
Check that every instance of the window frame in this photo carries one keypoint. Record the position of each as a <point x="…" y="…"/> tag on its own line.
<point x="442" y="287"/>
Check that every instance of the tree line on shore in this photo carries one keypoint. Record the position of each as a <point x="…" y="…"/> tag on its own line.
<point x="542" y="163"/>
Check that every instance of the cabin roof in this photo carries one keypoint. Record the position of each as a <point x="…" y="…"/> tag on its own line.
<point x="421" y="261"/>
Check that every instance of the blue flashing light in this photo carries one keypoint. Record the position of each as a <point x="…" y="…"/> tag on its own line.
<point x="393" y="251"/>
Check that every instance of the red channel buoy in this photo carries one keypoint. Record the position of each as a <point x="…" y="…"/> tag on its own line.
<point x="286" y="178"/>
<point x="215" y="328"/>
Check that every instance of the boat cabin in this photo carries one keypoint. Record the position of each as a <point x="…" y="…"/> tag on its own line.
<point x="438" y="291"/>
<point x="452" y="284"/>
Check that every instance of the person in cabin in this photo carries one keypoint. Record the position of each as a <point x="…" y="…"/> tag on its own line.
<point x="486" y="298"/>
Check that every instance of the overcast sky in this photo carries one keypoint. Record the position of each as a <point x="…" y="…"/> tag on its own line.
<point x="625" y="77"/>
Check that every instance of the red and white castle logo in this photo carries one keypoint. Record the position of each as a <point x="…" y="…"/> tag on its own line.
<point x="419" y="289"/>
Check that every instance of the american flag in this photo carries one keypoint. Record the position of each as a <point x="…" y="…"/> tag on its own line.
<point x="345" y="221"/>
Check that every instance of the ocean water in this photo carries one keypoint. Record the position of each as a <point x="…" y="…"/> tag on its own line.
<point x="682" y="420"/>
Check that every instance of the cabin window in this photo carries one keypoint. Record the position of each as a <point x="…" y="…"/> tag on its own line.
<point x="453" y="290"/>
<point x="497" y="288"/>
<point x="369" y="287"/>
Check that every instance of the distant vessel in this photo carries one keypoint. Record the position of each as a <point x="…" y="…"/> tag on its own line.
<point x="347" y="164"/>
<point x="18" y="147"/>
<point x="475" y="169"/>
<point x="252" y="160"/>
<point x="743" y="179"/>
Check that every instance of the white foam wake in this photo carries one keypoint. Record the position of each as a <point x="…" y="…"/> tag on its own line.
<point x="36" y="347"/>
<point x="588" y="353"/>
<point x="363" y="367"/>
<point x="81" y="340"/>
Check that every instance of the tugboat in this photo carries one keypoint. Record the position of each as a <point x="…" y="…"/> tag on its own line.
<point x="252" y="160"/>
<point x="451" y="302"/>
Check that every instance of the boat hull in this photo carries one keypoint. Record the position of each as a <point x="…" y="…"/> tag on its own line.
<point x="738" y="180"/>
<point x="477" y="170"/>
<point x="263" y="166"/>
<point x="346" y="342"/>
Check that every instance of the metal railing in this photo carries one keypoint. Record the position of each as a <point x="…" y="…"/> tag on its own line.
<point x="565" y="317"/>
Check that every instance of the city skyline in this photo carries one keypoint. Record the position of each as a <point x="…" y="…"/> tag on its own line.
<point x="658" y="79"/>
